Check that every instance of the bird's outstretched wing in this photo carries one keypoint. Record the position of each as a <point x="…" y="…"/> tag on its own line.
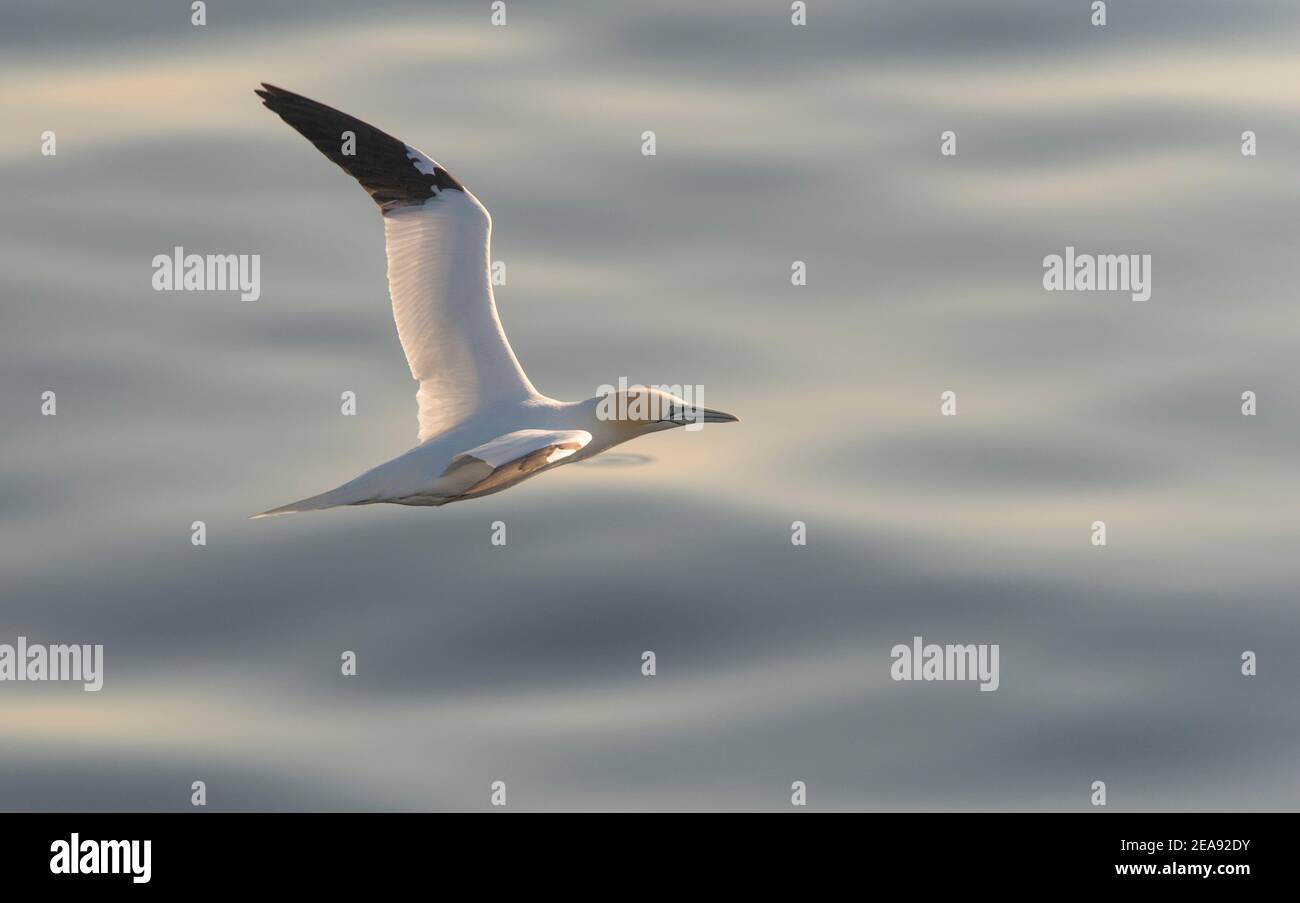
<point x="439" y="243"/>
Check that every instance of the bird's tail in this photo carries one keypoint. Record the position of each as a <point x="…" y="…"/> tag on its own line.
<point x="331" y="499"/>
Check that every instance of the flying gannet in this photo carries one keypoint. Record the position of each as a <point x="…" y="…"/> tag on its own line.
<point x="483" y="427"/>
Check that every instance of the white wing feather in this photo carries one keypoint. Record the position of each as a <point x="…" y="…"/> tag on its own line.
<point x="440" y="281"/>
<point x="438" y="264"/>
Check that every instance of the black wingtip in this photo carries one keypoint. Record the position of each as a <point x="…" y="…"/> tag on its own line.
<point x="380" y="162"/>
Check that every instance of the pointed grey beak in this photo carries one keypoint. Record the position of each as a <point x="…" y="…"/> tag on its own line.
<point x="687" y="416"/>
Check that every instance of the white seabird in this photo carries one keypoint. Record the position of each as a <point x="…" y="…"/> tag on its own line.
<point x="483" y="427"/>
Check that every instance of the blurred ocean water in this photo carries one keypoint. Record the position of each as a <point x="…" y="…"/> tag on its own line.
<point x="774" y="144"/>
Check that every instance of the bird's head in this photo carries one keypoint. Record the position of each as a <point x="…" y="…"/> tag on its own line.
<point x="642" y="409"/>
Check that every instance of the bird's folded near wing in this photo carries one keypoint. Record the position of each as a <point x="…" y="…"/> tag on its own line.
<point x="508" y="459"/>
